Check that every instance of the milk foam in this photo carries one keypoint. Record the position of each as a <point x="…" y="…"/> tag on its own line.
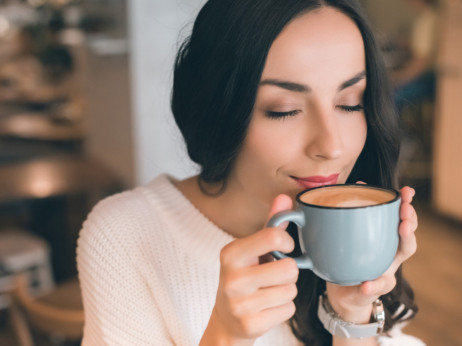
<point x="347" y="196"/>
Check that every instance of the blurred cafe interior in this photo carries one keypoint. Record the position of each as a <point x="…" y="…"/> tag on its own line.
<point x="84" y="113"/>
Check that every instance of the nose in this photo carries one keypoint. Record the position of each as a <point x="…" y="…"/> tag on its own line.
<point x="327" y="143"/>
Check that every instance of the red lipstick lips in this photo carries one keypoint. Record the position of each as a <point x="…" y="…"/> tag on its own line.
<point x="316" y="181"/>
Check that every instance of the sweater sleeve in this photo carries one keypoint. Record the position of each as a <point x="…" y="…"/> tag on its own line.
<point x="120" y="308"/>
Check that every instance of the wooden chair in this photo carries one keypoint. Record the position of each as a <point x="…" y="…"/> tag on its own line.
<point x="58" y="314"/>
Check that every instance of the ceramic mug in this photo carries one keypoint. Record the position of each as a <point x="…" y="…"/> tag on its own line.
<point x="348" y="233"/>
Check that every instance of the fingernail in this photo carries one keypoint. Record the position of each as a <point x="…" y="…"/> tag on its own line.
<point x="284" y="225"/>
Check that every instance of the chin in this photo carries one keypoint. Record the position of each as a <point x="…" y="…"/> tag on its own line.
<point x="293" y="193"/>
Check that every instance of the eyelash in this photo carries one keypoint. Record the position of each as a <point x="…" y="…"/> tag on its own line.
<point x="356" y="108"/>
<point x="282" y="115"/>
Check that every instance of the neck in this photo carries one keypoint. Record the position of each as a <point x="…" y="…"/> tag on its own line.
<point x="234" y="211"/>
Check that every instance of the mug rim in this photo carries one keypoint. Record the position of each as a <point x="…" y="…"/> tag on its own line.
<point x="376" y="187"/>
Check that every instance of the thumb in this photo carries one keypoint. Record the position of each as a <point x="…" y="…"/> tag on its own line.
<point x="280" y="203"/>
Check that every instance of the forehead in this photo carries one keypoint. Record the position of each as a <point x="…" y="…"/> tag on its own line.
<point x="323" y="44"/>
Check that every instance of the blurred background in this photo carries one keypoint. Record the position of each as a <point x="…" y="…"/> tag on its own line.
<point x="84" y="113"/>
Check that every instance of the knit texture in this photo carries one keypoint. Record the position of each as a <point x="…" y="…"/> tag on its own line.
<point x="149" y="265"/>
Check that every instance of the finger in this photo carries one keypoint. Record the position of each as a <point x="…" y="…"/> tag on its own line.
<point x="350" y="297"/>
<point x="260" y="323"/>
<point x="408" y="242"/>
<point x="407" y="212"/>
<point x="414" y="220"/>
<point x="280" y="203"/>
<point x="367" y="288"/>
<point x="265" y="298"/>
<point x="275" y="273"/>
<point x="249" y="280"/>
<point x="278" y="315"/>
<point x="380" y="286"/>
<point x="246" y="251"/>
<point x="406" y="248"/>
<point x="407" y="194"/>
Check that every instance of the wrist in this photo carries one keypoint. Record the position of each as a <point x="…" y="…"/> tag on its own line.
<point x="359" y="315"/>
<point x="337" y="326"/>
<point x="217" y="335"/>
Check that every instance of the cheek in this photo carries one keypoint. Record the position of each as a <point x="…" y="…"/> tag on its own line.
<point x="355" y="138"/>
<point x="260" y="148"/>
<point x="273" y="142"/>
<point x="266" y="149"/>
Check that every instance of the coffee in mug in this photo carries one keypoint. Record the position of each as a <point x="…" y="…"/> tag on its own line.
<point x="348" y="233"/>
<point x="346" y="196"/>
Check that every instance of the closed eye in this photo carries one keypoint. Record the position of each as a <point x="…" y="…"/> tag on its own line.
<point x="281" y="115"/>
<point x="356" y="108"/>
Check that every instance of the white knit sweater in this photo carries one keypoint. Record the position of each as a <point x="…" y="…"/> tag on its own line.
<point x="148" y="264"/>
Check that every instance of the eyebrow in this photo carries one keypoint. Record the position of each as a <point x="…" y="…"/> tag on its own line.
<point x="303" y="88"/>
<point x="352" y="81"/>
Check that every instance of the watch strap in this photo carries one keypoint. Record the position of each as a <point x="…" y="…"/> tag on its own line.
<point x="338" y="327"/>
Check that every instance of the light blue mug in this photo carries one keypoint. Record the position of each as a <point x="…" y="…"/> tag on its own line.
<point x="348" y="233"/>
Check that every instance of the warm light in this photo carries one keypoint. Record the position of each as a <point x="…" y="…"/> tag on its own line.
<point x="41" y="187"/>
<point x="42" y="181"/>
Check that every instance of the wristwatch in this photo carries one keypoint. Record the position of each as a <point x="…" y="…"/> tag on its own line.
<point x="338" y="327"/>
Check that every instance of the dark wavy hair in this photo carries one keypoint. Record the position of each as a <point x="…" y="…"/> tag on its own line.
<point x="216" y="76"/>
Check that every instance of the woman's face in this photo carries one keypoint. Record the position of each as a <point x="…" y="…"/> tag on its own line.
<point x="308" y="126"/>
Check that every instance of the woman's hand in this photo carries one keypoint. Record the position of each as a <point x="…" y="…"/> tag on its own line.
<point x="354" y="303"/>
<point x="253" y="295"/>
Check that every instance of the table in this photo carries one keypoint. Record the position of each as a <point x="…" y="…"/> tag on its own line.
<point x="37" y="126"/>
<point x="54" y="176"/>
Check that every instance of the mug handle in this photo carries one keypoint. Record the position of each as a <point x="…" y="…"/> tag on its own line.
<point x="297" y="217"/>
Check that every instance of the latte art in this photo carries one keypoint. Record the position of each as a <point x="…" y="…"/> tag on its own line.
<point x="348" y="196"/>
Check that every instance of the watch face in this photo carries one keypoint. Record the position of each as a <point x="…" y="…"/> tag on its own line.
<point x="379" y="314"/>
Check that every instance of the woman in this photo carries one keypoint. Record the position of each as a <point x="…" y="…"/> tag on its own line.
<point x="268" y="94"/>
